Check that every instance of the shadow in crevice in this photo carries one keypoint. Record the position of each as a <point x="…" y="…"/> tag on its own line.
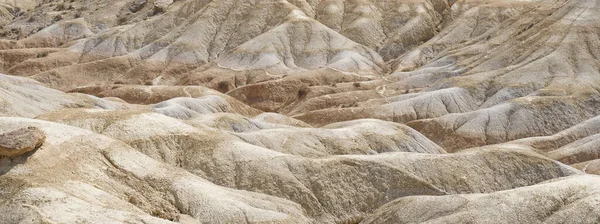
<point x="8" y="163"/>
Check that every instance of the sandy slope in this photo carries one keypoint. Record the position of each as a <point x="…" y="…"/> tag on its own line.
<point x="299" y="111"/>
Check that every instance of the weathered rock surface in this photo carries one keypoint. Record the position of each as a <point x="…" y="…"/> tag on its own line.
<point x="558" y="201"/>
<point x="299" y="111"/>
<point x="28" y="98"/>
<point x="21" y="141"/>
<point x="94" y="180"/>
<point x="299" y="165"/>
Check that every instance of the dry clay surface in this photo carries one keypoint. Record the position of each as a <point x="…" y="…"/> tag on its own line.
<point x="299" y="111"/>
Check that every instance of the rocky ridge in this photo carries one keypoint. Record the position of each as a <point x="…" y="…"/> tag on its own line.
<point x="299" y="111"/>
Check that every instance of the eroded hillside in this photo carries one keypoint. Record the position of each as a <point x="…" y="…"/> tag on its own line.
<point x="299" y="111"/>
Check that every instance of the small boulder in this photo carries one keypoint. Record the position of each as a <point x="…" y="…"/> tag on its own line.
<point x="162" y="4"/>
<point x="21" y="141"/>
<point x="137" y="5"/>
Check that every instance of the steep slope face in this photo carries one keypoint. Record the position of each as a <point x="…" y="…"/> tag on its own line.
<point x="172" y="43"/>
<point x="511" y="80"/>
<point x="332" y="179"/>
<point x="369" y="136"/>
<point x="169" y="37"/>
<point x="302" y="43"/>
<point x="300" y="47"/>
<point x="576" y="145"/>
<point x="27" y="98"/>
<point x="6" y="14"/>
<point x="94" y="180"/>
<point x="577" y="152"/>
<point x="299" y="111"/>
<point x="391" y="27"/>
<point x="531" y="82"/>
<point x="465" y="21"/>
<point x="58" y="34"/>
<point x="558" y="201"/>
<point x="403" y="108"/>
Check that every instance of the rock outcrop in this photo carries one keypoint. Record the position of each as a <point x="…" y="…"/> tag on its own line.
<point x="21" y="141"/>
<point x="299" y="111"/>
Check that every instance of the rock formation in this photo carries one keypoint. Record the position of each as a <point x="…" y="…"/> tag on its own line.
<point x="299" y="111"/>
<point x="21" y="141"/>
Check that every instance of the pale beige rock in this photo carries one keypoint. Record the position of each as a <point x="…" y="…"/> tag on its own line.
<point x="28" y="98"/>
<point x="300" y="111"/>
<point x="21" y="141"/>
<point x="91" y="178"/>
<point x="162" y="4"/>
<point x="558" y="201"/>
<point x="348" y="179"/>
